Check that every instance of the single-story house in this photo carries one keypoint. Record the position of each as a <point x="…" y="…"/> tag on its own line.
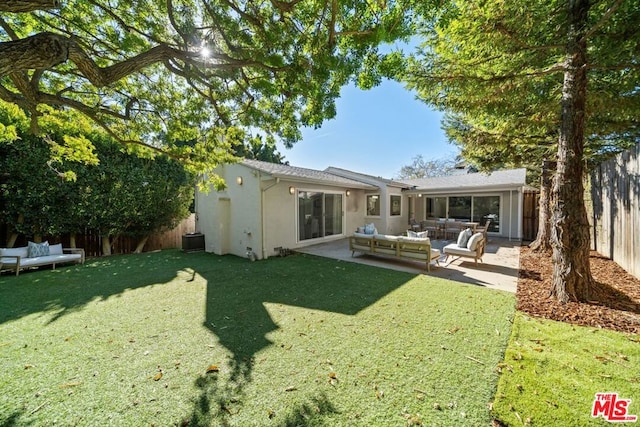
<point x="267" y="207"/>
<point x="476" y="197"/>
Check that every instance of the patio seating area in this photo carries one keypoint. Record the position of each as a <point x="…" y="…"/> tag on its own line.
<point x="499" y="269"/>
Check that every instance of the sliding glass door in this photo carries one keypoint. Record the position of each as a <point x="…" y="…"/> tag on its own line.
<point x="319" y="214"/>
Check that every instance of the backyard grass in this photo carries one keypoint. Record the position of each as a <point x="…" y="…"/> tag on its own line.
<point x="553" y="370"/>
<point x="195" y="339"/>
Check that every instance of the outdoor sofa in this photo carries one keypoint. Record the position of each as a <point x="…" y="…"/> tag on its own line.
<point x="470" y="247"/>
<point x="414" y="248"/>
<point x="38" y="254"/>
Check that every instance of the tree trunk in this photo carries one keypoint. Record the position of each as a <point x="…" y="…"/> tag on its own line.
<point x="542" y="243"/>
<point x="12" y="239"/>
<point x="72" y="240"/>
<point x="106" y="246"/>
<point x="572" y="280"/>
<point x="141" y="244"/>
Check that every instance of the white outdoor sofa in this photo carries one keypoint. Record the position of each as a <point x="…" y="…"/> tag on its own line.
<point x="415" y="248"/>
<point x="18" y="258"/>
<point x="473" y="248"/>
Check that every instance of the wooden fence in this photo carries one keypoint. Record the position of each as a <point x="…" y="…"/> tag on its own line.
<point x="615" y="216"/>
<point x="90" y="240"/>
<point x="530" y="211"/>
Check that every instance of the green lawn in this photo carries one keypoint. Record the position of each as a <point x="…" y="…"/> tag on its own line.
<point x="553" y="370"/>
<point x="301" y="340"/>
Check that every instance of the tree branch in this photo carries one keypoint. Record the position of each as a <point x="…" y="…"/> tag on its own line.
<point x="21" y="6"/>
<point x="616" y="4"/>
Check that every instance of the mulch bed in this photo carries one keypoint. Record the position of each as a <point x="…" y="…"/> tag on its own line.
<point x="618" y="308"/>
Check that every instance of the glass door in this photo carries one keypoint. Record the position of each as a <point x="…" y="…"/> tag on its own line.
<point x="319" y="214"/>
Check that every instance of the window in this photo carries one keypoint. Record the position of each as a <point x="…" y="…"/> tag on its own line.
<point x="460" y="208"/>
<point x="319" y="214"/>
<point x="487" y="208"/>
<point x="466" y="208"/>
<point x="436" y="207"/>
<point x="373" y="205"/>
<point x="396" y="205"/>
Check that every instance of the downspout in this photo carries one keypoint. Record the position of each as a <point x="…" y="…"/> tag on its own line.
<point x="263" y="227"/>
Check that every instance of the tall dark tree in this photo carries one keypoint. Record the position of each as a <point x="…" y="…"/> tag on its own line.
<point x="528" y="66"/>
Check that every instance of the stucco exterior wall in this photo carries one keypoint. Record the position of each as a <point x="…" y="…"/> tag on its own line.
<point x="230" y="219"/>
<point x="262" y="207"/>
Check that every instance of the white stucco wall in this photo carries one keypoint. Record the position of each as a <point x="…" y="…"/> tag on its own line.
<point x="238" y="228"/>
<point x="263" y="207"/>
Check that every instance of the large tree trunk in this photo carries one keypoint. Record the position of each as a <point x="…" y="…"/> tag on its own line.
<point x="572" y="280"/>
<point x="141" y="244"/>
<point x="543" y="239"/>
<point x="72" y="240"/>
<point x="12" y="239"/>
<point x="106" y="246"/>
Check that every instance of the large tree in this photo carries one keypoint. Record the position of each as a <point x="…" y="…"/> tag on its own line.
<point x="192" y="69"/>
<point x="421" y="168"/>
<point x="529" y="63"/>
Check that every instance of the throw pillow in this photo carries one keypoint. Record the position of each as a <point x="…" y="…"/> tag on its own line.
<point x="360" y="230"/>
<point x="464" y="237"/>
<point x="411" y="233"/>
<point x="55" y="249"/>
<point x="37" y="249"/>
<point x="422" y="234"/>
<point x="369" y="229"/>
<point x="472" y="244"/>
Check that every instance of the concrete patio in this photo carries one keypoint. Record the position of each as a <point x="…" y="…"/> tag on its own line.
<point x="499" y="269"/>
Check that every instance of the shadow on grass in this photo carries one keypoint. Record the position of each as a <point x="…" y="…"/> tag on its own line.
<point x="237" y="291"/>
<point x="12" y="420"/>
<point x="235" y="313"/>
<point x="70" y="288"/>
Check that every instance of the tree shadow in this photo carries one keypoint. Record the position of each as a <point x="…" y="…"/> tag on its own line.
<point x="237" y="291"/>
<point x="68" y="289"/>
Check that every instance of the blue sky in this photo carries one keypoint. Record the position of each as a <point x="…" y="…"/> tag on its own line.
<point x="375" y="132"/>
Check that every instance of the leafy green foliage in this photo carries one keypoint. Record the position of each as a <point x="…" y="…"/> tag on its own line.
<point x="108" y="189"/>
<point x="156" y="74"/>
<point x="497" y="69"/>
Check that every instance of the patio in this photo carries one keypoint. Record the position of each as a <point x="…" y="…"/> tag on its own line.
<point x="499" y="269"/>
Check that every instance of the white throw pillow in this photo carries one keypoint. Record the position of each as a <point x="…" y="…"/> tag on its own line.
<point x="55" y="249"/>
<point x="370" y="229"/>
<point x="472" y="244"/>
<point x="464" y="237"/>
<point x="411" y="233"/>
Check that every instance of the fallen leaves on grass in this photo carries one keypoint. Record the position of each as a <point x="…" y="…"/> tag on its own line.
<point x="213" y="368"/>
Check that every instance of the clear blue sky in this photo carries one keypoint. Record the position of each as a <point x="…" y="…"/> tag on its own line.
<point x="374" y="132"/>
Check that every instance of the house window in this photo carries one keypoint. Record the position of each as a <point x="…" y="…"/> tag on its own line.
<point x="395" y="205"/>
<point x="460" y="208"/>
<point x="373" y="205"/>
<point x="319" y="214"/>
<point x="487" y="208"/>
<point x="464" y="208"/>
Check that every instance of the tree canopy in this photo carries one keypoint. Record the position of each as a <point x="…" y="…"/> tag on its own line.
<point x="117" y="193"/>
<point x="497" y="70"/>
<point x="421" y="168"/>
<point x="153" y="74"/>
